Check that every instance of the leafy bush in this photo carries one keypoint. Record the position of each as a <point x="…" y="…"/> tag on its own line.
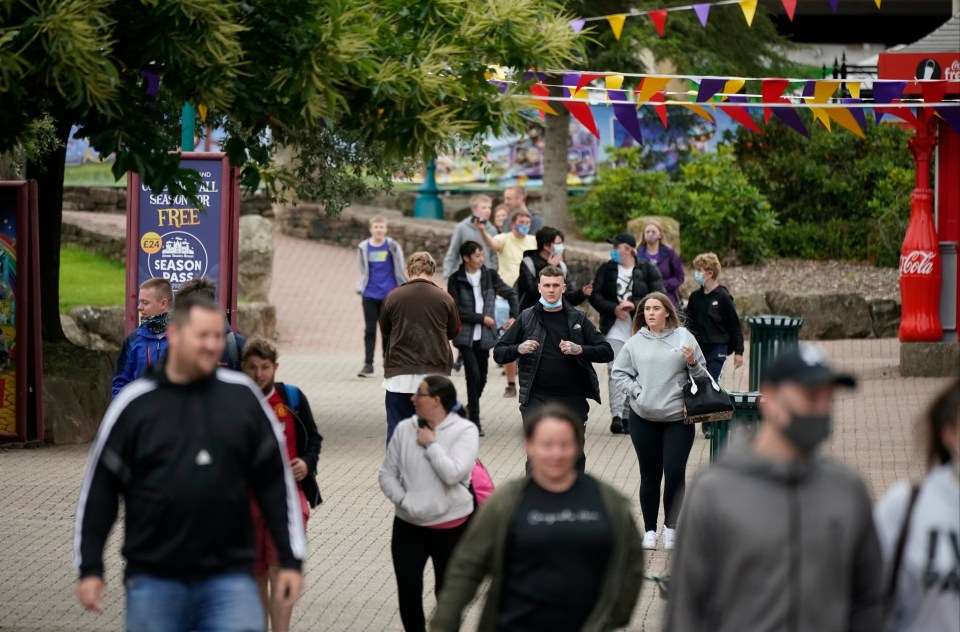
<point x="717" y="207"/>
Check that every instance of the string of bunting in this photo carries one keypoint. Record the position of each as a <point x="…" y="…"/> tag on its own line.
<point x="659" y="16"/>
<point x="725" y="93"/>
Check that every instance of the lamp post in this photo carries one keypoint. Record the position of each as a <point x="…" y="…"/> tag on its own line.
<point x="187" y="127"/>
<point x="428" y="204"/>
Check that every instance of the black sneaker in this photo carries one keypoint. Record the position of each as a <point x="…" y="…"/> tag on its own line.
<point x="366" y="371"/>
<point x="707" y="431"/>
<point x="458" y="363"/>
<point x="626" y="426"/>
<point x="616" y="426"/>
<point x="480" y="430"/>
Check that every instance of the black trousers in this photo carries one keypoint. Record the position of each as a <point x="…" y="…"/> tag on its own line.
<point x="663" y="448"/>
<point x="371" y="319"/>
<point x="475" y="361"/>
<point x="411" y="546"/>
<point x="576" y="403"/>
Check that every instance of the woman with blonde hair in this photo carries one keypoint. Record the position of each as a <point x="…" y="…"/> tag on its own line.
<point x="652" y="369"/>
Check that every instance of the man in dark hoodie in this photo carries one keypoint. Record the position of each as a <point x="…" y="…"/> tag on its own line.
<point x="773" y="536"/>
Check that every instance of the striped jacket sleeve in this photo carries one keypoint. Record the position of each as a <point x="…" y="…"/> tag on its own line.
<point x="106" y="475"/>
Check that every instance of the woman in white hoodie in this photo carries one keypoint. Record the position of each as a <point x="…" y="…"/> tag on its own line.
<point x="919" y="530"/>
<point x="425" y="473"/>
<point x="652" y="369"/>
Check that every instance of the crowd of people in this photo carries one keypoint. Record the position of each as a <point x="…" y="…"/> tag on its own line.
<point x="216" y="461"/>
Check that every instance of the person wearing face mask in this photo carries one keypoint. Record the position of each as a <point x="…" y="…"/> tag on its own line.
<point x="510" y="248"/>
<point x="919" y="529"/>
<point x="549" y="252"/>
<point x="556" y="345"/>
<point x="775" y="536"/>
<point x="619" y="286"/>
<point x="665" y="258"/>
<point x="713" y="320"/>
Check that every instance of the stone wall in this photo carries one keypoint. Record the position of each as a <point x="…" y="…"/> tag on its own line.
<point x="114" y="200"/>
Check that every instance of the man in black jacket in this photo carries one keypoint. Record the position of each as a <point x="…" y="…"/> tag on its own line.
<point x="555" y="345"/>
<point x="183" y="446"/>
<point x="549" y="252"/>
<point x="620" y="285"/>
<point x="475" y="290"/>
<point x="302" y="443"/>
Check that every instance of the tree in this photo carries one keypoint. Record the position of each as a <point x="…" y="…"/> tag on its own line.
<point x="352" y="89"/>
<point x="726" y="47"/>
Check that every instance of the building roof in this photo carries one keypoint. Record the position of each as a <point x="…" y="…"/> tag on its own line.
<point x="942" y="40"/>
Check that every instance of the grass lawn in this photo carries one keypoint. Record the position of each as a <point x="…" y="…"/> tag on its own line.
<point x="91" y="174"/>
<point x="89" y="279"/>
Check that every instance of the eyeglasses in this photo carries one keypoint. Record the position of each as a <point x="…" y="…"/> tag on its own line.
<point x="419" y="394"/>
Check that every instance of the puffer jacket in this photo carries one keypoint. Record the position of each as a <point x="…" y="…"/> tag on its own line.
<point x="491" y="286"/>
<point x="646" y="279"/>
<point x="530" y="327"/>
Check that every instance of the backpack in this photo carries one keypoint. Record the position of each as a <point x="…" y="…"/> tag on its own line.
<point x="293" y="397"/>
<point x="481" y="485"/>
<point x="233" y="350"/>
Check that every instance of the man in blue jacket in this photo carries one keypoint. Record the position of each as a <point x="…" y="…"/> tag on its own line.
<point x="144" y="346"/>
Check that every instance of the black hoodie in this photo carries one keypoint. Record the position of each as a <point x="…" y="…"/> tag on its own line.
<point x="185" y="457"/>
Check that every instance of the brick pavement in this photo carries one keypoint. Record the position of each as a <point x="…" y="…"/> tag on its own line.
<point x="350" y="584"/>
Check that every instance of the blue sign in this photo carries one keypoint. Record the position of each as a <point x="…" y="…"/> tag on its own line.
<point x="180" y="240"/>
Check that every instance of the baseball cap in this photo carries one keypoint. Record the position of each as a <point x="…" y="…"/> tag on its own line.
<point x="623" y="238"/>
<point x="806" y="365"/>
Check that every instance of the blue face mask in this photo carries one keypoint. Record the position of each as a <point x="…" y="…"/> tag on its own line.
<point x="544" y="302"/>
<point x="615" y="255"/>
<point x="557" y="249"/>
<point x="698" y="277"/>
<point x="523" y="229"/>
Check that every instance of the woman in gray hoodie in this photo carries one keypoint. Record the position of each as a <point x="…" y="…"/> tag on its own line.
<point x="652" y="369"/>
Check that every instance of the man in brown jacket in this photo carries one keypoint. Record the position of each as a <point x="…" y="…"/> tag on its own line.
<point x="417" y="322"/>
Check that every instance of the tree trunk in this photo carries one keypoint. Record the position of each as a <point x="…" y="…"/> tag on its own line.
<point x="49" y="176"/>
<point x="555" y="166"/>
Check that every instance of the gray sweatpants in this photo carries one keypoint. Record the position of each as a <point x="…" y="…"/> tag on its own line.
<point x="619" y="407"/>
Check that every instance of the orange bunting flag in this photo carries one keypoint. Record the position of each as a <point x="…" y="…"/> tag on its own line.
<point x="698" y="110"/>
<point x="844" y="119"/>
<point x="616" y="23"/>
<point x="649" y="87"/>
<point x="659" y="19"/>
<point x="749" y="8"/>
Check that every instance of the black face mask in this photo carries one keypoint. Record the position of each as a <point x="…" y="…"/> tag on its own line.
<point x="156" y="324"/>
<point x="807" y="432"/>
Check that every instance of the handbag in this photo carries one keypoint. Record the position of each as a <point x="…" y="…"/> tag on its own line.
<point x="481" y="484"/>
<point x="704" y="401"/>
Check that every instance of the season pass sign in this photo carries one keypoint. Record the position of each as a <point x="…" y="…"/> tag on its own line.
<point x="179" y="239"/>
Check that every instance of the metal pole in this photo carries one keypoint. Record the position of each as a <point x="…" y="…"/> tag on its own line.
<point x="187" y="127"/>
<point x="428" y="204"/>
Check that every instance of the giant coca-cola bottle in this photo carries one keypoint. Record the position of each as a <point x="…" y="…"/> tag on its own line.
<point x="920" y="274"/>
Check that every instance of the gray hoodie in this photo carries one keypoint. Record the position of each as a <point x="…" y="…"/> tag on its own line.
<point x="652" y="371"/>
<point x="771" y="546"/>
<point x="399" y="264"/>
<point x="464" y="232"/>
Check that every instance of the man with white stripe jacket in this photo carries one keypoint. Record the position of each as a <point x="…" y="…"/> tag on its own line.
<point x="183" y="446"/>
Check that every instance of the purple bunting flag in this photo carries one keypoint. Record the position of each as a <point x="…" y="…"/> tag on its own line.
<point x="577" y="25"/>
<point x="535" y="77"/>
<point x="858" y="114"/>
<point x="885" y="92"/>
<point x="152" y="82"/>
<point x="709" y="87"/>
<point x="703" y="12"/>
<point x="951" y="116"/>
<point x="626" y="113"/>
<point x="834" y="4"/>
<point x="791" y="119"/>
<point x="809" y="87"/>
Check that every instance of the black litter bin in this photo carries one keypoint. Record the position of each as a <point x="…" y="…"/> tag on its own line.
<point x="746" y="418"/>
<point x="769" y="336"/>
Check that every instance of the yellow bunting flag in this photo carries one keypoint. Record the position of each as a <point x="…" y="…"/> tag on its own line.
<point x="614" y="82"/>
<point x="733" y="86"/>
<point x="854" y="88"/>
<point x="820" y="114"/>
<point x="649" y="87"/>
<point x="616" y="23"/>
<point x="698" y="110"/>
<point x="878" y="3"/>
<point x="845" y="119"/>
<point x="749" y="8"/>
<point x="202" y="110"/>
<point x="823" y="90"/>
<point x="543" y="106"/>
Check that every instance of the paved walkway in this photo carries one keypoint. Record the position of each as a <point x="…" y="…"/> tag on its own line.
<point x="350" y="583"/>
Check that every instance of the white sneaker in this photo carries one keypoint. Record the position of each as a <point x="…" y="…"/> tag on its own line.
<point x="669" y="538"/>
<point x="650" y="540"/>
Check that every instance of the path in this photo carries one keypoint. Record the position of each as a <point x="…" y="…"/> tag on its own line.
<point x="350" y="583"/>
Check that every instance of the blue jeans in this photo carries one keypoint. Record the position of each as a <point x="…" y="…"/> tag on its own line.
<point x="223" y="603"/>
<point x="399" y="407"/>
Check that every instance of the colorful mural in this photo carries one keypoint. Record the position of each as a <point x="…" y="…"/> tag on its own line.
<point x="8" y="324"/>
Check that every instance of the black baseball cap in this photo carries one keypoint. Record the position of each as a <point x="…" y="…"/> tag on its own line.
<point x="806" y="365"/>
<point x="624" y="238"/>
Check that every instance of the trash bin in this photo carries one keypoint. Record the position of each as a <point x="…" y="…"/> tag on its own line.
<point x="769" y="335"/>
<point x="746" y="419"/>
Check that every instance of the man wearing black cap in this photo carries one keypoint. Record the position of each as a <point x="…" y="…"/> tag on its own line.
<point x="618" y="288"/>
<point x="774" y="536"/>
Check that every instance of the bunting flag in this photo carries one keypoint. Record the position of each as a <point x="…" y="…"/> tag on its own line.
<point x="878" y="3"/>
<point x="790" y="6"/>
<point x="613" y="82"/>
<point x="703" y="12"/>
<point x="649" y="87"/>
<point x="886" y="92"/>
<point x="859" y="114"/>
<point x="658" y="106"/>
<point x="846" y="120"/>
<point x="626" y="114"/>
<point x="202" y="111"/>
<point x="734" y="85"/>
<point x="577" y="25"/>
<point x="580" y="110"/>
<point x="772" y="91"/>
<point x="854" y="88"/>
<point x="586" y="78"/>
<point x="834" y="5"/>
<point x="616" y="23"/>
<point x="151" y="81"/>
<point x="741" y="115"/>
<point x="951" y="116"/>
<point x="541" y="91"/>
<point x="710" y="87"/>
<point x="933" y="91"/>
<point x="659" y="19"/>
<point x="749" y="8"/>
<point x="699" y="111"/>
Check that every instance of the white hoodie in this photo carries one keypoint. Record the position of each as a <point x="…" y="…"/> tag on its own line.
<point x="928" y="586"/>
<point x="428" y="485"/>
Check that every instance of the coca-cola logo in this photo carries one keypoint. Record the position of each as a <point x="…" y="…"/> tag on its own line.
<point x="917" y="262"/>
<point x="953" y="72"/>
